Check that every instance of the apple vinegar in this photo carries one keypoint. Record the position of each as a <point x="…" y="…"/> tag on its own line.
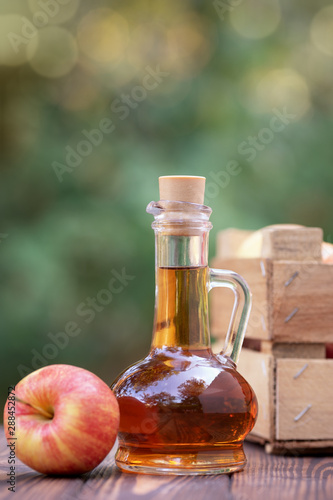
<point x="184" y="409"/>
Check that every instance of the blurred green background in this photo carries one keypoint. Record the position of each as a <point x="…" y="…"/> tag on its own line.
<point x="218" y="72"/>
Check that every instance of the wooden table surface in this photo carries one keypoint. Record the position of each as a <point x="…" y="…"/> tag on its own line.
<point x="265" y="477"/>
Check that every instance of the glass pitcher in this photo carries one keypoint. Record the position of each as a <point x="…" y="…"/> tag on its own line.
<point x="184" y="409"/>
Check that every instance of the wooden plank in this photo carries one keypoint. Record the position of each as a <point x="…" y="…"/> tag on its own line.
<point x="252" y="438"/>
<point x="279" y="242"/>
<point x="283" y="477"/>
<point x="255" y="272"/>
<point x="292" y="350"/>
<point x="300" y="297"/>
<point x="297" y="448"/>
<point x="289" y="242"/>
<point x="265" y="476"/>
<point x="304" y="395"/>
<point x="228" y="242"/>
<point x="258" y="369"/>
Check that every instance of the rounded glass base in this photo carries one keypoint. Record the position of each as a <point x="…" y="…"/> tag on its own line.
<point x="214" y="461"/>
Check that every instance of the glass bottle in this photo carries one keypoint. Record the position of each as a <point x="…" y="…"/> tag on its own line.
<point x="184" y="409"/>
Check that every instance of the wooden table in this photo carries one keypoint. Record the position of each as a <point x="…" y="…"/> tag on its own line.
<point x="265" y="477"/>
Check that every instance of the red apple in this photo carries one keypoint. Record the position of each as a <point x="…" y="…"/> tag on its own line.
<point x="66" y="420"/>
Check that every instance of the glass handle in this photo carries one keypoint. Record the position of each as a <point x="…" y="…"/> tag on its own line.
<point x="241" y="310"/>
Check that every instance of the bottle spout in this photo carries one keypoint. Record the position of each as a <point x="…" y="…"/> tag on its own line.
<point x="180" y="210"/>
<point x="179" y="215"/>
<point x="157" y="208"/>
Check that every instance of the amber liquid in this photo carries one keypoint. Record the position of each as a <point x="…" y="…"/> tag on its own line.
<point x="180" y="407"/>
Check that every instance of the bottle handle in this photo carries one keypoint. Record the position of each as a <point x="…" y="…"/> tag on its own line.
<point x="241" y="310"/>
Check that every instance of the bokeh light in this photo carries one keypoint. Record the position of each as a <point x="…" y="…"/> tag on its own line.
<point x="103" y="35"/>
<point x="181" y="46"/>
<point x="190" y="45"/>
<point x="322" y="30"/>
<point x="55" y="52"/>
<point x="115" y="80"/>
<point x="14" y="7"/>
<point x="55" y="12"/>
<point x="315" y="66"/>
<point x="14" y="43"/>
<point x="278" y="88"/>
<point x="256" y="18"/>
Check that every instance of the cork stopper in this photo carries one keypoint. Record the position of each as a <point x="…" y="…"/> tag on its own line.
<point x="190" y="188"/>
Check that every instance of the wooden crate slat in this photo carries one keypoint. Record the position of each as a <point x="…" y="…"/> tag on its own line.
<point x="221" y="299"/>
<point x="258" y="369"/>
<point x="304" y="395"/>
<point x="292" y="243"/>
<point x="229" y="240"/>
<point x="293" y="350"/>
<point x="292" y="303"/>
<point x="301" y="310"/>
<point x="278" y="242"/>
<point x="296" y="448"/>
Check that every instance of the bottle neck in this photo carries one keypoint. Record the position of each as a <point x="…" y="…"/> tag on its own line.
<point x="181" y="293"/>
<point x="173" y="250"/>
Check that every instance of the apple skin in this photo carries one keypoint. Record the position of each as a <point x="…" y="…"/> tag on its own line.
<point x="83" y="428"/>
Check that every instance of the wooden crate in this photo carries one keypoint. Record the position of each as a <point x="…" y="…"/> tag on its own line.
<point x="295" y="400"/>
<point x="292" y="299"/>
<point x="291" y="321"/>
